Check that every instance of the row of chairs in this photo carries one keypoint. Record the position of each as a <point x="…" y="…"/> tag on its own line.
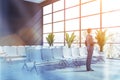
<point x="11" y="53"/>
<point x="58" y="57"/>
<point x="40" y="56"/>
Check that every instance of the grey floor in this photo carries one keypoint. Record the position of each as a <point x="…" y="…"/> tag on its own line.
<point x="110" y="70"/>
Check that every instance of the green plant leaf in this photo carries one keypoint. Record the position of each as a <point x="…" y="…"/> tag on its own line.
<point x="50" y="39"/>
<point x="101" y="38"/>
<point x="70" y="39"/>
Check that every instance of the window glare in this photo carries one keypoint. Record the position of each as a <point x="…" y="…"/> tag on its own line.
<point x="57" y="16"/>
<point x="44" y="37"/>
<point x="72" y="25"/>
<point x="114" y="35"/>
<point x="91" y="8"/>
<point x="59" y="26"/>
<point x="90" y="22"/>
<point x="58" y="5"/>
<point x="83" y="1"/>
<point x="47" y="19"/>
<point x="72" y="12"/>
<point x="71" y="20"/>
<point x="59" y="37"/>
<point x="47" y="28"/>
<point x="70" y="3"/>
<point x="111" y="19"/>
<point x="110" y="5"/>
<point x="47" y="9"/>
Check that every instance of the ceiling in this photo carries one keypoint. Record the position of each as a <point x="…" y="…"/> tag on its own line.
<point x="35" y="1"/>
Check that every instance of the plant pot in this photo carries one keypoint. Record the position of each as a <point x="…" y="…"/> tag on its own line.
<point x="67" y="52"/>
<point x="101" y="53"/>
<point x="101" y="56"/>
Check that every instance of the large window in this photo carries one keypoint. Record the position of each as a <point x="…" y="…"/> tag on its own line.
<point x="67" y="16"/>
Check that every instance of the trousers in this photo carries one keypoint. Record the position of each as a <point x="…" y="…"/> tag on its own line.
<point x="89" y="57"/>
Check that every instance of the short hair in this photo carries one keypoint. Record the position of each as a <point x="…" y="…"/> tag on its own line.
<point x="89" y="30"/>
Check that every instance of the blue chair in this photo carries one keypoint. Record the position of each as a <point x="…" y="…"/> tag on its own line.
<point x="49" y="58"/>
<point x="11" y="53"/>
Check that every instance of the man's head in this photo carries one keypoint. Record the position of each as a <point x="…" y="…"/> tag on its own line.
<point x="89" y="30"/>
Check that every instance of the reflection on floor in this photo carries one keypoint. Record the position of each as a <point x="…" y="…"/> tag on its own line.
<point x="102" y="71"/>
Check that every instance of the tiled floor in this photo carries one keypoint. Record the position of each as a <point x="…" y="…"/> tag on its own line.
<point x="110" y="70"/>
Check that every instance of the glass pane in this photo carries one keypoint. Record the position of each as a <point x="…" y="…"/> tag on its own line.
<point x="112" y="50"/>
<point x="72" y="12"/>
<point x="44" y="37"/>
<point x="58" y="5"/>
<point x="58" y="44"/>
<point x="47" y="9"/>
<point x="47" y="19"/>
<point x="114" y="35"/>
<point x="45" y="44"/>
<point x="59" y="37"/>
<point x="83" y="1"/>
<point x="72" y="25"/>
<point x="57" y="16"/>
<point x="90" y="22"/>
<point x="90" y="8"/>
<point x="83" y="35"/>
<point x="47" y="28"/>
<point x="70" y="3"/>
<point x="75" y="32"/>
<point x="110" y="5"/>
<point x="111" y="19"/>
<point x="58" y="27"/>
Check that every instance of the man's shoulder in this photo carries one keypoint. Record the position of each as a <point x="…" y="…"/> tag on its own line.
<point x="89" y="36"/>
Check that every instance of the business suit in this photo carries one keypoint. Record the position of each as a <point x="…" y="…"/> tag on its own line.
<point x="90" y="48"/>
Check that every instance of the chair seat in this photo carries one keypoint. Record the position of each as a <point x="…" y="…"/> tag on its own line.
<point x="15" y="59"/>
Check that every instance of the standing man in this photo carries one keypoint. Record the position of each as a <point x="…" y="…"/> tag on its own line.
<point x="90" y="46"/>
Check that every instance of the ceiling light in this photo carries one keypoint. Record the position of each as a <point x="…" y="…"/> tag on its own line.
<point x="35" y="1"/>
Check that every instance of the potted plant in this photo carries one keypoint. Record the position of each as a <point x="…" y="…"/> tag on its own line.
<point x="101" y="38"/>
<point x="70" y="39"/>
<point x="67" y="51"/>
<point x="50" y="39"/>
<point x="101" y="41"/>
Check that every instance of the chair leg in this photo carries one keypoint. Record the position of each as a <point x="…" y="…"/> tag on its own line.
<point x="100" y="58"/>
<point x="34" y="67"/>
<point x="25" y="66"/>
<point x="63" y="63"/>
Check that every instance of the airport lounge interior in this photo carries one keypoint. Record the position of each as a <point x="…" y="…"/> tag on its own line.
<point x="59" y="39"/>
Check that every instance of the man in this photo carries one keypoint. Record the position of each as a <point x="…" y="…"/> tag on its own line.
<point x="90" y="46"/>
